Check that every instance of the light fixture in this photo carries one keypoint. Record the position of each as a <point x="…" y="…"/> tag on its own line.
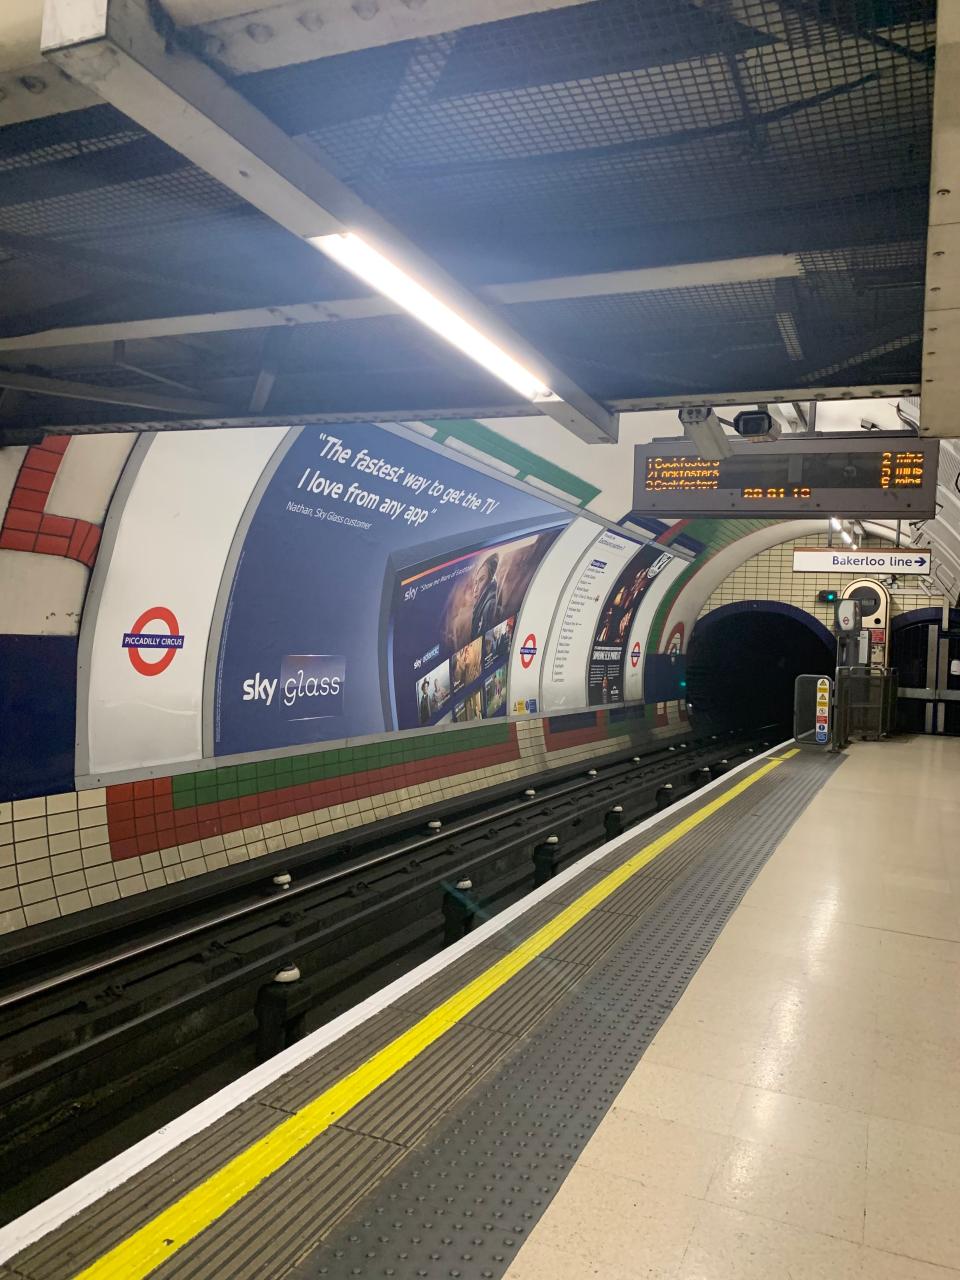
<point x="835" y="524"/>
<point x="846" y="537"/>
<point x="354" y="254"/>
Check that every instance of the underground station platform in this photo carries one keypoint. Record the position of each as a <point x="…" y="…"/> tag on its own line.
<point x="456" y="1072"/>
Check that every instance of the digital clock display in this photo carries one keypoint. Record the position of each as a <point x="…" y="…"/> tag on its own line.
<point x="852" y="476"/>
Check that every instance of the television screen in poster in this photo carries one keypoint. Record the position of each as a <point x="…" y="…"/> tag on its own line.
<point x="495" y="693"/>
<point x="460" y="609"/>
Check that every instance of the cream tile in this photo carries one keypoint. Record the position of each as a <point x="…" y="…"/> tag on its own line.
<point x="39" y="912"/>
<point x="899" y="1151"/>
<point x="928" y="1009"/>
<point x="102" y="893"/>
<point x="33" y="808"/>
<point x="730" y="1245"/>
<point x="891" y="1266"/>
<point x="538" y="1260"/>
<point x="912" y="1219"/>
<point x="64" y="841"/>
<point x="917" y="1080"/>
<point x="27" y="850"/>
<point x="691" y="1047"/>
<point x="828" y="1067"/>
<point x="668" y="1093"/>
<point x="808" y="1128"/>
<point x="773" y="1183"/>
<point x="659" y="1153"/>
<point x="615" y="1223"/>
<point x="63" y="803"/>
<point x="58" y="822"/>
<point x="70" y="902"/>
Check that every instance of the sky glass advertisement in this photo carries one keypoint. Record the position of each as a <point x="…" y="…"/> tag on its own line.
<point x="452" y="628"/>
<point x="366" y="549"/>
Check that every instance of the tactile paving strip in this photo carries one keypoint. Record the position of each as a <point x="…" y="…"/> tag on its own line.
<point x="266" y="1231"/>
<point x="462" y="1205"/>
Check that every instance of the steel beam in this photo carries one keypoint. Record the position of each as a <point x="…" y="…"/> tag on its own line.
<point x="685" y="275"/>
<point x="740" y="399"/>
<point x="114" y="48"/>
<point x="133" y="396"/>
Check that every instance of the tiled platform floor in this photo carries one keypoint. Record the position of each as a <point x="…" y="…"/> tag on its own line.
<point x="798" y="1115"/>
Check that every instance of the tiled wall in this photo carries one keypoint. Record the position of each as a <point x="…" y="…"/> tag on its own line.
<point x="76" y="850"/>
<point x="770" y="576"/>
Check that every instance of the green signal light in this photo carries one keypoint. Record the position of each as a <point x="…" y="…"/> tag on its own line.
<point x="683" y="684"/>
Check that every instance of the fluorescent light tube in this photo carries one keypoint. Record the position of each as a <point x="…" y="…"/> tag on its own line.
<point x="353" y="253"/>
<point x="835" y="524"/>
<point x="847" y="539"/>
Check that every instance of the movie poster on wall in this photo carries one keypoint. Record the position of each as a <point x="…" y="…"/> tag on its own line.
<point x="313" y="611"/>
<point x="608" y="658"/>
<point x="571" y="644"/>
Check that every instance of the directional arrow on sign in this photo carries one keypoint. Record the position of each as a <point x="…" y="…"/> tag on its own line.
<point x="920" y="561"/>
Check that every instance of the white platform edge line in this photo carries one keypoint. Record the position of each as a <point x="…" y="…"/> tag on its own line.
<point x="59" y="1208"/>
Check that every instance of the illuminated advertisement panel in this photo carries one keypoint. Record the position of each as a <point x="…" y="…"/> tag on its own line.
<point x="313" y="608"/>
<point x="453" y="626"/>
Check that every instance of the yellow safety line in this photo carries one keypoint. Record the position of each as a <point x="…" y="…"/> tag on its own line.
<point x="172" y="1228"/>
<point x="794" y="751"/>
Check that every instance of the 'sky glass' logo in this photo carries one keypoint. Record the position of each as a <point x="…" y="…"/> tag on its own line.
<point x="309" y="687"/>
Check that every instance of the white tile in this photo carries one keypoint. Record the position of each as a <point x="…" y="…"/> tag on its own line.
<point x="70" y="902"/>
<point x="73" y="882"/>
<point x="28" y="850"/>
<point x="64" y="841"/>
<point x="29" y="829"/>
<point x="34" y="808"/>
<point x="92" y="798"/>
<point x="91" y="816"/>
<point x="37" y="891"/>
<point x="63" y="803"/>
<point x="39" y="912"/>
<point x="58" y="822"/>
<point x="103" y="893"/>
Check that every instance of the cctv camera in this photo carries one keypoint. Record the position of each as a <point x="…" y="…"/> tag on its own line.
<point x="756" y="424"/>
<point x="704" y="429"/>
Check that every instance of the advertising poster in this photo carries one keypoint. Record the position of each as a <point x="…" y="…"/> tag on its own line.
<point x="606" y="672"/>
<point x="452" y="629"/>
<point x="571" y="645"/>
<point x="634" y="684"/>
<point x="349" y="523"/>
<point x="536" y="614"/>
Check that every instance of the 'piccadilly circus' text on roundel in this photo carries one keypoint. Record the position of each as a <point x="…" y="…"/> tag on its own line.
<point x="635" y="654"/>
<point x="137" y="642"/>
<point x="528" y="651"/>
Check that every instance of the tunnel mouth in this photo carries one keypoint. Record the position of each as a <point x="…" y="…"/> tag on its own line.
<point x="743" y="660"/>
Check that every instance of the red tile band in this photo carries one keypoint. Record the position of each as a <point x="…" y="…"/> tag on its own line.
<point x="27" y="527"/>
<point x="141" y="819"/>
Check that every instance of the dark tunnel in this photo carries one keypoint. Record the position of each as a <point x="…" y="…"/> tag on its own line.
<point x="741" y="666"/>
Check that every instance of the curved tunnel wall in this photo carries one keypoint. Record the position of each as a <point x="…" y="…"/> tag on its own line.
<point x="220" y="644"/>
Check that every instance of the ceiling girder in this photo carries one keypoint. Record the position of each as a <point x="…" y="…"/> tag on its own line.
<point x="133" y="396"/>
<point x="114" y="49"/>
<point x="774" y="266"/>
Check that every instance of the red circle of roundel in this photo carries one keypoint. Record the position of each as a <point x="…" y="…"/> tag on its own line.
<point x="159" y="613"/>
<point x="528" y="651"/>
<point x="635" y="654"/>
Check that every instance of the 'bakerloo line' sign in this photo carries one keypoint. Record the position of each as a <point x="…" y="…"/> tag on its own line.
<point x="869" y="563"/>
